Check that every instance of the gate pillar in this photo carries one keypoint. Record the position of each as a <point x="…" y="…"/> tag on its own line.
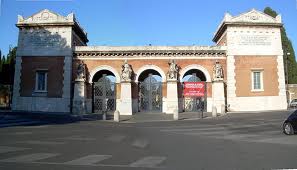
<point x="172" y="96"/>
<point x="218" y="95"/>
<point x="79" y="98"/>
<point x="125" y="104"/>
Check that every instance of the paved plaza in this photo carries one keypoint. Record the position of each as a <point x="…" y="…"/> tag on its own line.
<point x="234" y="141"/>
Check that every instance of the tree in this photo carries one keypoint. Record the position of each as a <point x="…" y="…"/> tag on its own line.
<point x="7" y="67"/>
<point x="289" y="60"/>
<point x="0" y="62"/>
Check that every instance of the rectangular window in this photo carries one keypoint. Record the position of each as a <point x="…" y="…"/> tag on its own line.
<point x="257" y="80"/>
<point x="41" y="81"/>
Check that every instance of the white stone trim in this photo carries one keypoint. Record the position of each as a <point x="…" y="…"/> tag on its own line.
<point x="67" y="77"/>
<point x="261" y="80"/>
<point x="17" y="81"/>
<point x="281" y="76"/>
<point x="150" y="67"/>
<point x="36" y="80"/>
<point x="231" y="88"/>
<point x="190" y="57"/>
<point x="41" y="104"/>
<point x="105" y="67"/>
<point x="146" y="48"/>
<point x="259" y="103"/>
<point x="195" y="67"/>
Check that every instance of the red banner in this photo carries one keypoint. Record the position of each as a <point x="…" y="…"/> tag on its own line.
<point x="194" y="89"/>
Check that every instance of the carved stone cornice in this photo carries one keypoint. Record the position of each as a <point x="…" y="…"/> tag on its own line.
<point x="166" y="51"/>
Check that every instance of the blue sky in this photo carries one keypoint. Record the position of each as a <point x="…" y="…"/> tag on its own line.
<point x="143" y="22"/>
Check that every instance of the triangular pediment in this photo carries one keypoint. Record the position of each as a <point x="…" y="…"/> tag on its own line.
<point x="252" y="17"/>
<point x="255" y="16"/>
<point x="45" y="16"/>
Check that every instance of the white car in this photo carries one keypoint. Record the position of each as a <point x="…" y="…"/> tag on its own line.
<point x="293" y="103"/>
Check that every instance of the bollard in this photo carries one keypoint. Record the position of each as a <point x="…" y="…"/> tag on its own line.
<point x="116" y="116"/>
<point x="214" y="111"/>
<point x="223" y="109"/>
<point x="104" y="115"/>
<point x="175" y="114"/>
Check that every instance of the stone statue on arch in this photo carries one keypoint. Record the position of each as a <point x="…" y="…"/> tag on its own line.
<point x="173" y="70"/>
<point x="126" y="75"/>
<point x="81" y="71"/>
<point x="218" y="73"/>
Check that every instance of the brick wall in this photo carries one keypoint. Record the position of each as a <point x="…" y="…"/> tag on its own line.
<point x="30" y="65"/>
<point x="243" y="69"/>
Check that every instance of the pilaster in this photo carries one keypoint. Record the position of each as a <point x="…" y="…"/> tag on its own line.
<point x="218" y="96"/>
<point x="16" y="84"/>
<point x="79" y="105"/>
<point x="125" y="104"/>
<point x="172" y="96"/>
<point x="231" y="88"/>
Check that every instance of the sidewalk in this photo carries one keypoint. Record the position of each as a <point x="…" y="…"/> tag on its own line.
<point x="10" y="118"/>
<point x="157" y="117"/>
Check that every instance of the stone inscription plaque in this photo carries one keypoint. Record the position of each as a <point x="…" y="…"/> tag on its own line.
<point x="45" y="40"/>
<point x="254" y="40"/>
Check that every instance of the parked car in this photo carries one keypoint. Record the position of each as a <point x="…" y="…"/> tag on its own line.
<point x="293" y="103"/>
<point x="290" y="124"/>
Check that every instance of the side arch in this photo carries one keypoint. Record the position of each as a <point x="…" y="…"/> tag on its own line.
<point x="104" y="67"/>
<point x="195" y="66"/>
<point x="150" y="67"/>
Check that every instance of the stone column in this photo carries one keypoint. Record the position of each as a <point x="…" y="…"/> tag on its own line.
<point x="79" y="98"/>
<point x="218" y="95"/>
<point x="67" y="75"/>
<point x="17" y="85"/>
<point x="231" y="82"/>
<point x="125" y="104"/>
<point x="172" y="96"/>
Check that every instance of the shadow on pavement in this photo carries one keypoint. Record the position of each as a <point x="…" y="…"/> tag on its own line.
<point x="9" y="119"/>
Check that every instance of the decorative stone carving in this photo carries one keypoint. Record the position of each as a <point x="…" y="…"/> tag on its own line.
<point x="173" y="70"/>
<point x="80" y="73"/>
<point x="126" y="72"/>
<point x="45" y="16"/>
<point x="218" y="72"/>
<point x="254" y="16"/>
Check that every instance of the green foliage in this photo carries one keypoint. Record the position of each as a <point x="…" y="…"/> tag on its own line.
<point x="289" y="60"/>
<point x="7" y="66"/>
<point x="270" y="12"/>
<point x="0" y="61"/>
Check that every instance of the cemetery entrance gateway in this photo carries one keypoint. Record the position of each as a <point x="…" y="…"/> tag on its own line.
<point x="195" y="95"/>
<point x="104" y="95"/>
<point x="150" y="94"/>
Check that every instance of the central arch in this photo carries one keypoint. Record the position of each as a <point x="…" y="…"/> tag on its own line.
<point x="104" y="80"/>
<point x="150" y="97"/>
<point x="150" y="67"/>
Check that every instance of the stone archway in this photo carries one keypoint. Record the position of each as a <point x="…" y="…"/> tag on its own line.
<point x="195" y="67"/>
<point x="105" y="67"/>
<point x="150" y="67"/>
<point x="194" y="74"/>
<point x="104" y="81"/>
<point x="150" y="95"/>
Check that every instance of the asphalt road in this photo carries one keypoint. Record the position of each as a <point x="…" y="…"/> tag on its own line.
<point x="235" y="141"/>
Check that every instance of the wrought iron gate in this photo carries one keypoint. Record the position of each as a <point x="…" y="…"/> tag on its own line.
<point x="150" y="95"/>
<point x="104" y="95"/>
<point x="194" y="104"/>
